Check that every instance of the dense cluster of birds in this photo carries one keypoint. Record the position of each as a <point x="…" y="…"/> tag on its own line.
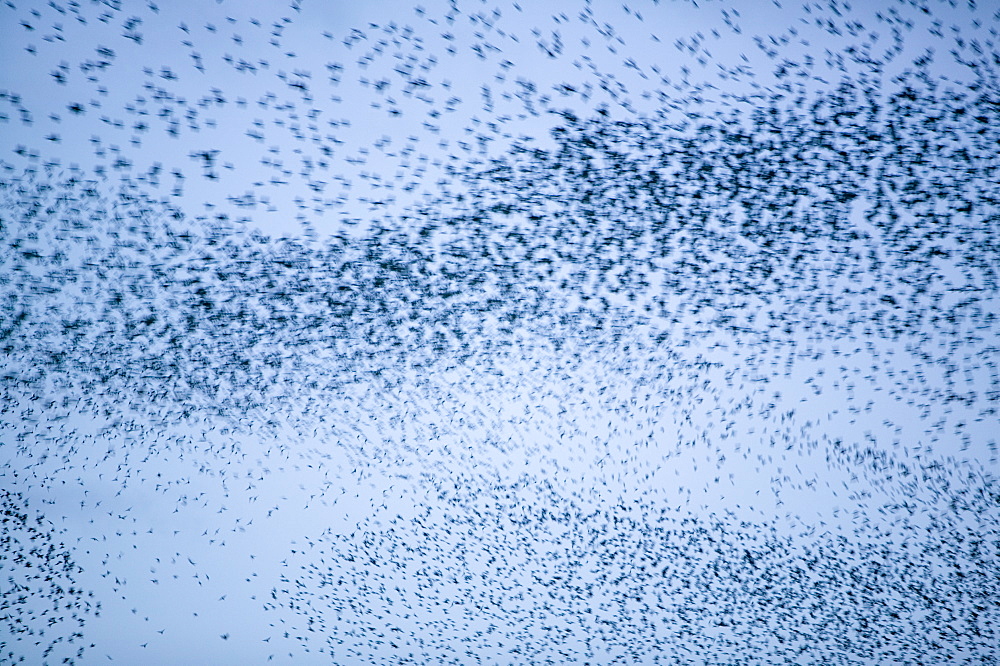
<point x="533" y="316"/>
<point x="523" y="573"/>
<point x="37" y="565"/>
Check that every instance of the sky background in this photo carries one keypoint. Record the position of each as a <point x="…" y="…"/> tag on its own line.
<point x="661" y="332"/>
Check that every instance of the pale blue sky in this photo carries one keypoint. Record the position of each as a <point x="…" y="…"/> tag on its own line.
<point x="336" y="114"/>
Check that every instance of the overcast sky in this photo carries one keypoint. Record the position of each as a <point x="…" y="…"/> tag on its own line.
<point x="471" y="332"/>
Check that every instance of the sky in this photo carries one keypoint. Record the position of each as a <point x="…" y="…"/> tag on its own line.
<point x="473" y="332"/>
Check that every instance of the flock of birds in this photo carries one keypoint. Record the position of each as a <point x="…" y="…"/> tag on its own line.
<point x="635" y="367"/>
